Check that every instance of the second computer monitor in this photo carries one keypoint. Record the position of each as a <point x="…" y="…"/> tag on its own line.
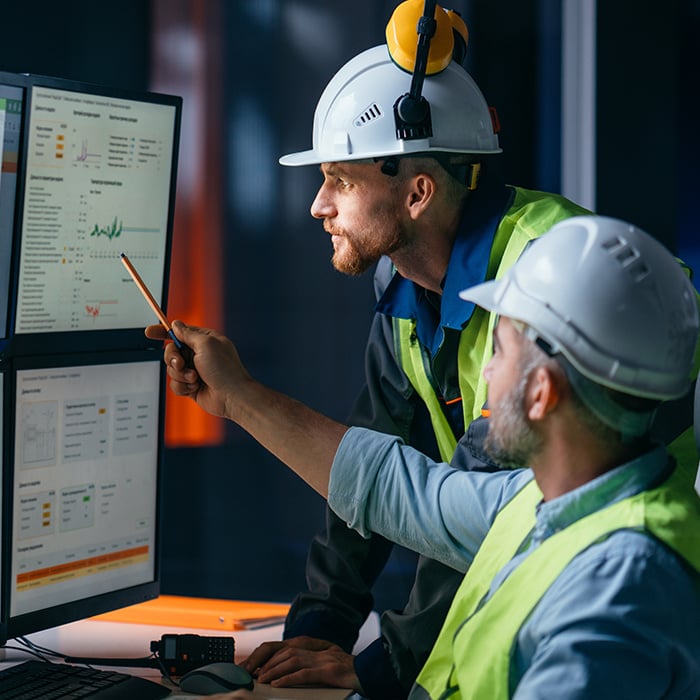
<point x="84" y="486"/>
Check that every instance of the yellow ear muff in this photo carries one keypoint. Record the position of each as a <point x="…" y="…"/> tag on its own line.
<point x="401" y="37"/>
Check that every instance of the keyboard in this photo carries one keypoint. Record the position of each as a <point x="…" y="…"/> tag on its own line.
<point x="42" y="680"/>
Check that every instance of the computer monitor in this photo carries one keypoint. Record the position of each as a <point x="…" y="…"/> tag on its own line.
<point x="98" y="179"/>
<point x="11" y="110"/>
<point x="83" y="486"/>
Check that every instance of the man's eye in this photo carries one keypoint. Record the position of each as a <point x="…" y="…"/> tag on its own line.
<point x="342" y="184"/>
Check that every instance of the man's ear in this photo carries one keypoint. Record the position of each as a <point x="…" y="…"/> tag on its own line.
<point x="420" y="194"/>
<point x="543" y="394"/>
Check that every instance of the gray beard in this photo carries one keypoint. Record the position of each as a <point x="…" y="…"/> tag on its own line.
<point x="510" y="440"/>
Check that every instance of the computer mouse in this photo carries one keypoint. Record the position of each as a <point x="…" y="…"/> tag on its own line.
<point x="219" y="677"/>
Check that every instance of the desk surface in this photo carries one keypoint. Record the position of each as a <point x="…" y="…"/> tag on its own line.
<point x="95" y="638"/>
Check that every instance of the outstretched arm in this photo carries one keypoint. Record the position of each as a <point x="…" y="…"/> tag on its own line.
<point x="303" y="439"/>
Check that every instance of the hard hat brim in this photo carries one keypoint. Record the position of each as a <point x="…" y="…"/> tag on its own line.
<point x="484" y="295"/>
<point x="301" y="158"/>
<point x="311" y="157"/>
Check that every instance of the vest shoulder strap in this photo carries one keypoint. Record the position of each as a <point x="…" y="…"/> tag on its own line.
<point x="529" y="214"/>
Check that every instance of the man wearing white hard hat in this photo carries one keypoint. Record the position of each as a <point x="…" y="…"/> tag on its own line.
<point x="408" y="191"/>
<point x="583" y="570"/>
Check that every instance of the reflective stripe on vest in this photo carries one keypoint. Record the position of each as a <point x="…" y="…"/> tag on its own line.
<point x="530" y="215"/>
<point x="472" y="656"/>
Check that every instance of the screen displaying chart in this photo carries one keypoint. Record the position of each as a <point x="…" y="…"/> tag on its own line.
<point x="11" y="101"/>
<point x="85" y="482"/>
<point x="98" y="181"/>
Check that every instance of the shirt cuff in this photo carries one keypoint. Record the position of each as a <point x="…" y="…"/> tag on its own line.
<point x="322" y="625"/>
<point x="360" y="455"/>
<point x="376" y="674"/>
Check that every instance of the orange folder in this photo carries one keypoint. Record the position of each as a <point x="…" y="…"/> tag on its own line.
<point x="204" y="613"/>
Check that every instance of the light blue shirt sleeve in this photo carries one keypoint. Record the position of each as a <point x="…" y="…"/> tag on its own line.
<point x="379" y="484"/>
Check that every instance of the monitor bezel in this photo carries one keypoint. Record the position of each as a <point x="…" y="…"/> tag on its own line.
<point x="4" y="503"/>
<point x="86" y="340"/>
<point x="64" y="613"/>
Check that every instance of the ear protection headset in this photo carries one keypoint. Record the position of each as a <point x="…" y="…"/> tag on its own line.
<point x="441" y="39"/>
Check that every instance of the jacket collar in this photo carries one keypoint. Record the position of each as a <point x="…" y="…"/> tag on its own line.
<point x="467" y="266"/>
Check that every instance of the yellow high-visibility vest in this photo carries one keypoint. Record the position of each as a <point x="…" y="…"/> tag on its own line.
<point x="472" y="655"/>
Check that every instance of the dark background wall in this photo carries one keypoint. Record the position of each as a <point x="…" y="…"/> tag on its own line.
<point x="235" y="523"/>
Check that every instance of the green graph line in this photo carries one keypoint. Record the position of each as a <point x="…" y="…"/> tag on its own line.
<point x="112" y="231"/>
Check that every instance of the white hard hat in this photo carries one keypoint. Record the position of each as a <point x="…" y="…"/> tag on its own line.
<point x="354" y="117"/>
<point x="610" y="298"/>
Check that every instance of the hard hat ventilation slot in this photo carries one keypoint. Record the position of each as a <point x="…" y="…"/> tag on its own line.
<point x="639" y="271"/>
<point x="628" y="257"/>
<point x="369" y="115"/>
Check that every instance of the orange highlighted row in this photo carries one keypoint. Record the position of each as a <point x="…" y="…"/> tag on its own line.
<point x="60" y="570"/>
